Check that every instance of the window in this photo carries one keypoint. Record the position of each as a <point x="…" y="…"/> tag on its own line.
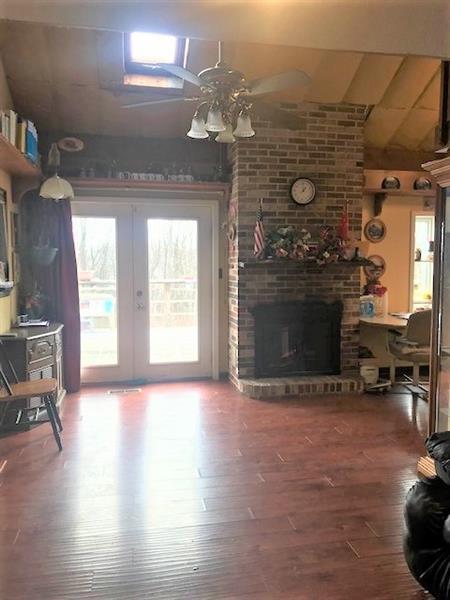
<point x="145" y="50"/>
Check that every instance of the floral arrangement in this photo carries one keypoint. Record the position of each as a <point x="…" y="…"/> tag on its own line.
<point x="374" y="288"/>
<point x="289" y="242"/>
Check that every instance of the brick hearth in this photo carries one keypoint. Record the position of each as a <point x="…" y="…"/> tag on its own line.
<point x="329" y="150"/>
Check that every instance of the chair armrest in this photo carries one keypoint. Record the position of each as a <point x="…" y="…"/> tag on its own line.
<point x="406" y="342"/>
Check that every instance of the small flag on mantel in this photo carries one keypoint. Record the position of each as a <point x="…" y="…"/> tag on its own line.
<point x="260" y="239"/>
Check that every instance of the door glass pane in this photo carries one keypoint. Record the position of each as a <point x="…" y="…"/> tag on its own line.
<point x="443" y="391"/>
<point x="95" y="247"/>
<point x="173" y="290"/>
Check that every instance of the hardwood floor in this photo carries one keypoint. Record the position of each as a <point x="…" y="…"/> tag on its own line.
<point x="195" y="491"/>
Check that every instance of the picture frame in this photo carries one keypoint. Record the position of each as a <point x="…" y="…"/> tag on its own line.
<point x="375" y="230"/>
<point x="377" y="269"/>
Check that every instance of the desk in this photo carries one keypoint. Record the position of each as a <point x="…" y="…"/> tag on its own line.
<point x="374" y="334"/>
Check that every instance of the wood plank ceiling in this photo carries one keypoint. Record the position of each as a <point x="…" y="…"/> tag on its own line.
<point x="70" y="80"/>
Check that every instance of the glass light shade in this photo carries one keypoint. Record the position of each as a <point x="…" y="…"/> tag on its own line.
<point x="214" y="122"/>
<point x="226" y="137"/>
<point x="56" y="188"/>
<point x="197" y="130"/>
<point x="244" y="127"/>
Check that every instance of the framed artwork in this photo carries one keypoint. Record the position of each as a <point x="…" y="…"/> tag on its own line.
<point x="375" y="230"/>
<point x="377" y="269"/>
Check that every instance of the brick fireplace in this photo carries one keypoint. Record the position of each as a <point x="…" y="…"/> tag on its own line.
<point x="329" y="150"/>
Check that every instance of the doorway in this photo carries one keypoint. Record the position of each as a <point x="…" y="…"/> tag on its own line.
<point x="147" y="275"/>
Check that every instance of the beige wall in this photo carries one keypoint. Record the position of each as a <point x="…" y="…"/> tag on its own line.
<point x="396" y="246"/>
<point x="7" y="305"/>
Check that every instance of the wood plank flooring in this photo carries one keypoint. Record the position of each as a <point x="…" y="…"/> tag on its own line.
<point x="194" y="491"/>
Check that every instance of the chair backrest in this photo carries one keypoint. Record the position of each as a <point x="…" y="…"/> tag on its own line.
<point x="419" y="327"/>
<point x="5" y="362"/>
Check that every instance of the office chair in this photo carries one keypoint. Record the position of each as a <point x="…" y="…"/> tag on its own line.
<point x="413" y="346"/>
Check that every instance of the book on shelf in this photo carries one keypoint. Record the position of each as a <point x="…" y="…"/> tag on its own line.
<point x="21" y="134"/>
<point x="12" y="127"/>
<point x="4" y="123"/>
<point x="31" y="142"/>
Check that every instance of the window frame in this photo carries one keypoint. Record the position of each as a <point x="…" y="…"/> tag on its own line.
<point x="139" y="68"/>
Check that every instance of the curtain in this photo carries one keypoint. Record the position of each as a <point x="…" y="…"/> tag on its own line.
<point x="49" y="286"/>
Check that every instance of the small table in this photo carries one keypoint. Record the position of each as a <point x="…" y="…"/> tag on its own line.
<point x="374" y="334"/>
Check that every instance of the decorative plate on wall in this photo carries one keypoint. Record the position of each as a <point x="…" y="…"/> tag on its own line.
<point x="375" y="270"/>
<point x="375" y="230"/>
<point x="422" y="183"/>
<point x="390" y="183"/>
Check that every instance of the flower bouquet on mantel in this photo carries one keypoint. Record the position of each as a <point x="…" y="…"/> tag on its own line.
<point x="288" y="242"/>
<point x="291" y="243"/>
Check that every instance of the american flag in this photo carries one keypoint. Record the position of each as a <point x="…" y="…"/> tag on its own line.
<point x="260" y="240"/>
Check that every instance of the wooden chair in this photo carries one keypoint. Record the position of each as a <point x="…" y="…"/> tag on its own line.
<point x="44" y="389"/>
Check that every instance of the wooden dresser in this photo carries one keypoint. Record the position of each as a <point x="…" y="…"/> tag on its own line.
<point x="36" y="353"/>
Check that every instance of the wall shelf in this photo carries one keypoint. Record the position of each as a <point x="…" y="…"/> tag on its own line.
<point x="394" y="192"/>
<point x="14" y="162"/>
<point x="136" y="184"/>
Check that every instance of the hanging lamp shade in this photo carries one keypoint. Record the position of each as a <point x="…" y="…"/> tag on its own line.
<point x="214" y="121"/>
<point x="56" y="188"/>
<point x="244" y="126"/>
<point x="226" y="137"/>
<point x="197" y="130"/>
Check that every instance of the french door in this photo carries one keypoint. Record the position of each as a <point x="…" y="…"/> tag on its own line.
<point x="147" y="285"/>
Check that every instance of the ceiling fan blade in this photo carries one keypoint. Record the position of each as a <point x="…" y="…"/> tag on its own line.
<point x="162" y="101"/>
<point x="279" y="117"/>
<point x="184" y="74"/>
<point x="278" y="82"/>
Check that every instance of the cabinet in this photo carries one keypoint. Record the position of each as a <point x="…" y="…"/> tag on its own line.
<point x="36" y="353"/>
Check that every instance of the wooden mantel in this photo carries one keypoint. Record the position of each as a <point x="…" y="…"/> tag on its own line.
<point x="440" y="169"/>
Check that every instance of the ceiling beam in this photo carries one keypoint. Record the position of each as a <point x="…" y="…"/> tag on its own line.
<point x="405" y="27"/>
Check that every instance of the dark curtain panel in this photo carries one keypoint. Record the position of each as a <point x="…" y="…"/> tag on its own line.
<point x="49" y="286"/>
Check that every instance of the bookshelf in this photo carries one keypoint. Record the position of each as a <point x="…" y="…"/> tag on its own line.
<point x="14" y="162"/>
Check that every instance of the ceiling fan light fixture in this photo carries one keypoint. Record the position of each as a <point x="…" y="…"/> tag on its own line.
<point x="197" y="130"/>
<point x="244" y="126"/>
<point x="214" y="121"/>
<point x="226" y="137"/>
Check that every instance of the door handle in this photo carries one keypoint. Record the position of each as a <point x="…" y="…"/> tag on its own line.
<point x="140" y="306"/>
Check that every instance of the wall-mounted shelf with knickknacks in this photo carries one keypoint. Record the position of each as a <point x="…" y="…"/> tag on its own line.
<point x="381" y="184"/>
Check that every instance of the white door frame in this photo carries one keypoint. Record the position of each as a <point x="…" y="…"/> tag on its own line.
<point x="181" y="199"/>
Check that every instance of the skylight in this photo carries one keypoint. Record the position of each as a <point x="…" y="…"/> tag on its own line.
<point x="153" y="48"/>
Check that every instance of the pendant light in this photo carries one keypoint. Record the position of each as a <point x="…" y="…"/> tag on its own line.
<point x="55" y="187"/>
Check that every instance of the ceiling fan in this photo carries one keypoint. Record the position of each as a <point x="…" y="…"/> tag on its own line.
<point x="226" y="98"/>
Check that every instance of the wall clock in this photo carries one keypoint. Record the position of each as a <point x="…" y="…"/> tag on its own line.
<point x="303" y="191"/>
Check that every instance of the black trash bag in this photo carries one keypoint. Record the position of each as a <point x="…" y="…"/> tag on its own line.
<point x="426" y="542"/>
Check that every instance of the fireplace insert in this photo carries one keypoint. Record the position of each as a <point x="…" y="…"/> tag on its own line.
<point x="298" y="338"/>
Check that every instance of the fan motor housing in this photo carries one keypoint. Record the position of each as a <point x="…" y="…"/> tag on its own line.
<point x="223" y="75"/>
